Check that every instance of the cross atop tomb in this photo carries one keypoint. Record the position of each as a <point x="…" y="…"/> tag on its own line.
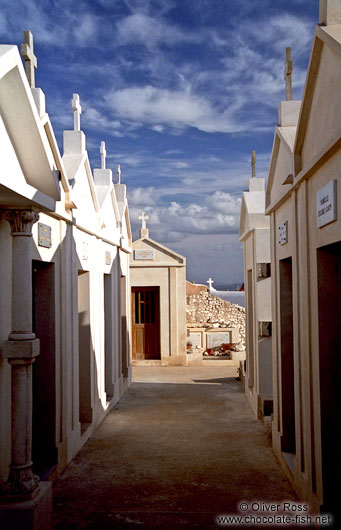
<point x="103" y="155"/>
<point x="77" y="111"/>
<point x="210" y="283"/>
<point x="253" y="164"/>
<point x="143" y="217"/>
<point x="118" y="173"/>
<point x="289" y="68"/>
<point x="29" y="57"/>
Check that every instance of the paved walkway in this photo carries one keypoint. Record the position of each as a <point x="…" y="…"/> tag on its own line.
<point x="180" y="448"/>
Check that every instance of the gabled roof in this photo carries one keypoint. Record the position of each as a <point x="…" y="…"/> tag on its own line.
<point x="77" y="165"/>
<point x="282" y="147"/>
<point x="252" y="213"/>
<point x="22" y="127"/>
<point x="329" y="128"/>
<point x="170" y="257"/>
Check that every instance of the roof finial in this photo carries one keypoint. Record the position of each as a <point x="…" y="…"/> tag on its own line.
<point x="103" y="152"/>
<point x="253" y="164"/>
<point x="77" y="111"/>
<point x="143" y="217"/>
<point x="30" y="58"/>
<point x="210" y="284"/>
<point x="289" y="68"/>
<point x="118" y="173"/>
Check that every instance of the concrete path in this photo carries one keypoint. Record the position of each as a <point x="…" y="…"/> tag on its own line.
<point x="179" y="449"/>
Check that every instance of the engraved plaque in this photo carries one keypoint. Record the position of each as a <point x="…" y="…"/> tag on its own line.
<point x="144" y="254"/>
<point x="107" y="257"/>
<point x="326" y="204"/>
<point x="44" y="235"/>
<point x="215" y="340"/>
<point x="283" y="233"/>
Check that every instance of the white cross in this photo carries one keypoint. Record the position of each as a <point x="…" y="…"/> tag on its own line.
<point x="253" y="163"/>
<point x="103" y="154"/>
<point x="210" y="283"/>
<point x="77" y="111"/>
<point x="144" y="218"/>
<point x="118" y="173"/>
<point x="288" y="70"/>
<point x="30" y="58"/>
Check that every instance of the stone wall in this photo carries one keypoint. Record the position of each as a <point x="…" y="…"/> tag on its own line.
<point x="206" y="310"/>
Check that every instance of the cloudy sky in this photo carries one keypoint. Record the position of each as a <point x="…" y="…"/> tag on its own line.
<point x="181" y="91"/>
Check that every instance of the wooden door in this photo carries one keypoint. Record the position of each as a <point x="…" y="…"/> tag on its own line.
<point x="146" y="322"/>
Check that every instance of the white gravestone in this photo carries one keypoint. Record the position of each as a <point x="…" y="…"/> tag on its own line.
<point x="195" y="339"/>
<point x="215" y="340"/>
<point x="326" y="211"/>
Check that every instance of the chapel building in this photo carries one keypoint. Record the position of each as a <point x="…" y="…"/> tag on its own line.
<point x="158" y="290"/>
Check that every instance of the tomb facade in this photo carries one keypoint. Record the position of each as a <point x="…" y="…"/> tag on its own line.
<point x="158" y="287"/>
<point x="303" y="201"/>
<point x="65" y="241"/>
<point x="254" y="232"/>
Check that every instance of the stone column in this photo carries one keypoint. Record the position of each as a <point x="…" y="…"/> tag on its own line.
<point x="21" y="350"/>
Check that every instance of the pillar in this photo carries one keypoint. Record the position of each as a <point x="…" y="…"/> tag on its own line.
<point x="25" y="504"/>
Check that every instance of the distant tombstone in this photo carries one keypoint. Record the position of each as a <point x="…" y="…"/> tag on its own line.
<point x="195" y="339"/>
<point x="215" y="340"/>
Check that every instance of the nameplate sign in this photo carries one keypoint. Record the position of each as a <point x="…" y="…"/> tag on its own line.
<point x="107" y="257"/>
<point x="326" y="211"/>
<point x="44" y="236"/>
<point x="144" y="254"/>
<point x="283" y="233"/>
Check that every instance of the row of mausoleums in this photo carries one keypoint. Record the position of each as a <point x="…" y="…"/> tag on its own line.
<point x="298" y="244"/>
<point x="70" y="318"/>
<point x="65" y="336"/>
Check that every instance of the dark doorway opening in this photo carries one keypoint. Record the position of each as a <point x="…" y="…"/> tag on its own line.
<point x="288" y="439"/>
<point x="84" y="349"/>
<point x="329" y="311"/>
<point x="44" y="450"/>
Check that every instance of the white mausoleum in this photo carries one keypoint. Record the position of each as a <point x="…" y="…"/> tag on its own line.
<point x="254" y="232"/>
<point x="65" y="336"/>
<point x="158" y="288"/>
<point x="303" y="200"/>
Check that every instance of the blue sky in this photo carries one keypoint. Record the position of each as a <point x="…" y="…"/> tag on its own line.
<point x="181" y="91"/>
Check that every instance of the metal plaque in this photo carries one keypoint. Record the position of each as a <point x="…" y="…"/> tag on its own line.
<point x="283" y="233"/>
<point x="326" y="211"/>
<point x="44" y="235"/>
<point x="107" y="257"/>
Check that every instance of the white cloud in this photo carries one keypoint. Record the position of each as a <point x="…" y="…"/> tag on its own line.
<point x="85" y="31"/>
<point x="142" y="197"/>
<point x="177" y="109"/>
<point x="140" y="28"/>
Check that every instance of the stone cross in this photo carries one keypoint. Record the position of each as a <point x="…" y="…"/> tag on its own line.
<point x="118" y="173"/>
<point x="210" y="283"/>
<point x="77" y="111"/>
<point x="103" y="154"/>
<point x="253" y="164"/>
<point x="144" y="218"/>
<point x="29" y="57"/>
<point x="289" y="68"/>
